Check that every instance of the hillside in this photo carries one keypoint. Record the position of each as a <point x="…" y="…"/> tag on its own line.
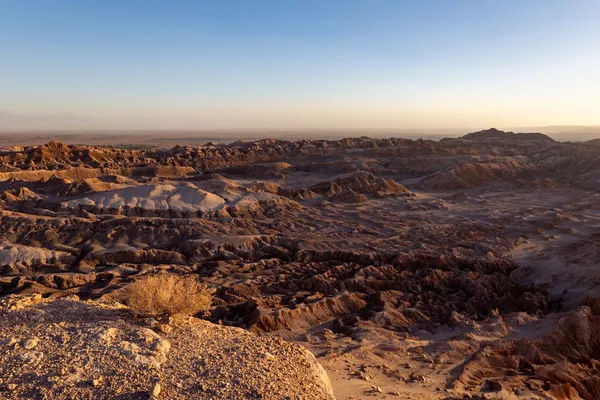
<point x="67" y="348"/>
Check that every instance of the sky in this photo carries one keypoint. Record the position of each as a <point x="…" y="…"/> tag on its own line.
<point x="300" y="64"/>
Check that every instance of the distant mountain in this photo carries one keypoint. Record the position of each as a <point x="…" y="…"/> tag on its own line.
<point x="496" y="134"/>
<point x="593" y="143"/>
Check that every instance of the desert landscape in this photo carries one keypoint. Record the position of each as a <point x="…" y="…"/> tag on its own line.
<point x="410" y="269"/>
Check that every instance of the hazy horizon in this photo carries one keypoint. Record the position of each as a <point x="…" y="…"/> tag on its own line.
<point x="311" y="65"/>
<point x="167" y="138"/>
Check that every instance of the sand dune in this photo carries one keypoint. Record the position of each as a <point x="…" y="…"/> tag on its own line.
<point x="182" y="197"/>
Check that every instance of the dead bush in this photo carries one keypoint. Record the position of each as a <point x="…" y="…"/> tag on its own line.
<point x="168" y="295"/>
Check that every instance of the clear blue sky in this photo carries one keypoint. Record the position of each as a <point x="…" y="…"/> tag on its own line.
<point x="304" y="63"/>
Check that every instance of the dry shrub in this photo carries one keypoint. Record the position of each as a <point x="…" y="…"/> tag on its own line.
<point x="168" y="295"/>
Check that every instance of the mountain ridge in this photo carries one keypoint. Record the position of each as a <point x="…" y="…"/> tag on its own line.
<point x="496" y="134"/>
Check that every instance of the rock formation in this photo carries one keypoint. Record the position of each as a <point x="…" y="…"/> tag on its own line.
<point x="400" y="259"/>
<point x="66" y="348"/>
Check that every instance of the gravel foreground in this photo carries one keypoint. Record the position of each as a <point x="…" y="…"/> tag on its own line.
<point x="71" y="349"/>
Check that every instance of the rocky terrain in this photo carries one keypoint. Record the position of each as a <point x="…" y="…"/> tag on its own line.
<point x="70" y="349"/>
<point x="412" y="269"/>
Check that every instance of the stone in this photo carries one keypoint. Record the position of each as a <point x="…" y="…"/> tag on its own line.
<point x="154" y="391"/>
<point x="164" y="328"/>
<point x="491" y="386"/>
<point x="96" y="382"/>
<point x="30" y="343"/>
<point x="151" y="322"/>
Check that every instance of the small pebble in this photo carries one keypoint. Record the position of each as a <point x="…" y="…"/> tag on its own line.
<point x="30" y="343"/>
<point x="96" y="382"/>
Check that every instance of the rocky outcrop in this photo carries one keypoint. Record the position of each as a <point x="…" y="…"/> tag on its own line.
<point x="261" y="204"/>
<point x="16" y="259"/>
<point x="415" y="290"/>
<point x="474" y="174"/>
<point x="66" y="348"/>
<point x="561" y="365"/>
<point x="128" y="255"/>
<point x="361" y="183"/>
